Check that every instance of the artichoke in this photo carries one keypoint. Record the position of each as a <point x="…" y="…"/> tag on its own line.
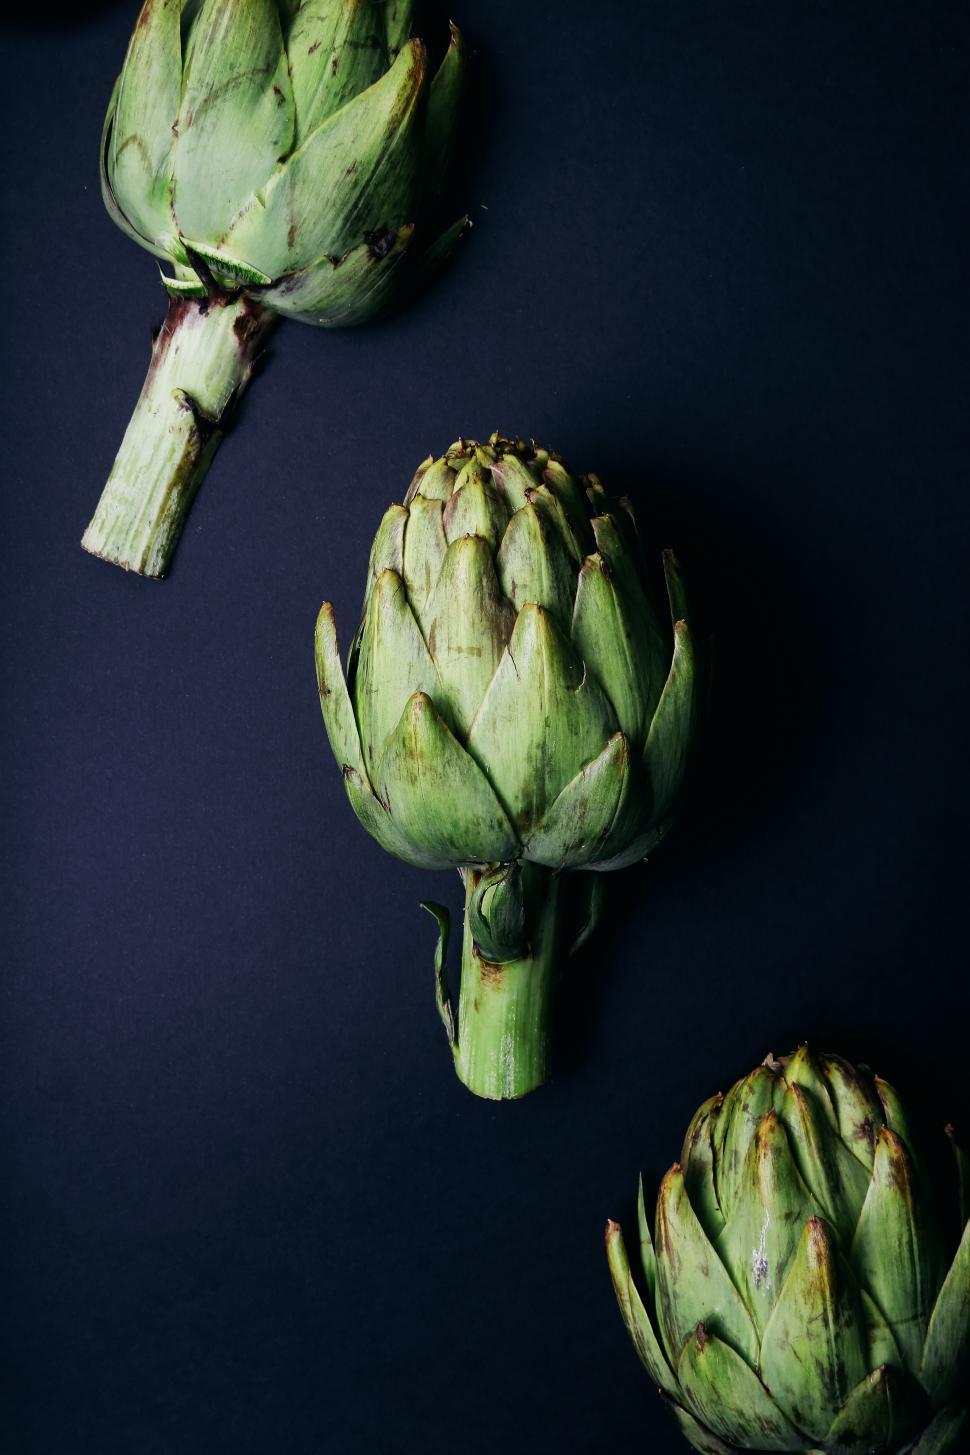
<point x="512" y="708"/>
<point x="799" y="1293"/>
<point x="279" y="156"/>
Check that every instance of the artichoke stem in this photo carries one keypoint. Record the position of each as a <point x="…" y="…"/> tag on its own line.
<point x="201" y="360"/>
<point x="504" y="1011"/>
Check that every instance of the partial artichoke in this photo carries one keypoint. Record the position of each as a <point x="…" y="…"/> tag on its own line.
<point x="800" y="1292"/>
<point x="512" y="708"/>
<point x="280" y="157"/>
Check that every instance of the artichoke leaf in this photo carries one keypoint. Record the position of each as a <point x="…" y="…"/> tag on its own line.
<point x="541" y="719"/>
<point x="533" y="565"/>
<point x="893" y="1253"/>
<point x="624" y="519"/>
<point x="628" y="841"/>
<point x="565" y="487"/>
<point x="726" y="1394"/>
<point x="697" y="1160"/>
<point x="437" y="797"/>
<point x="475" y="510"/>
<point x="355" y="170"/>
<point x="590" y="896"/>
<point x="575" y="826"/>
<point x="745" y="1105"/>
<point x="883" y="1348"/>
<point x="837" y="1179"/>
<point x="226" y="269"/>
<point x="496" y="914"/>
<point x="802" y="1069"/>
<point x="444" y="97"/>
<point x="648" y="1256"/>
<point x="113" y="206"/>
<point x="473" y="469"/>
<point x="898" y="1121"/>
<point x="354" y="289"/>
<point x="693" y="1286"/>
<point x="417" y="477"/>
<point x="701" y="1438"/>
<point x="425" y="548"/>
<point x="676" y="590"/>
<point x="945" y="1360"/>
<point x="858" y="1109"/>
<point x="635" y="1315"/>
<point x="469" y="623"/>
<point x="514" y="479"/>
<point x="392" y="664"/>
<point x="893" y="1109"/>
<point x="338" y="717"/>
<point x="442" y="994"/>
<point x="387" y="551"/>
<point x="379" y="824"/>
<point x="185" y="283"/>
<point x="668" y="741"/>
<point x="885" y="1408"/>
<point x="547" y="502"/>
<point x="435" y="482"/>
<point x="813" y="1353"/>
<point x="397" y="24"/>
<point x="761" y="1236"/>
<point x="236" y="116"/>
<point x="338" y="714"/>
<point x="139" y="158"/>
<point x="597" y="497"/>
<point x="619" y="546"/>
<point x="335" y="52"/>
<point x="618" y="646"/>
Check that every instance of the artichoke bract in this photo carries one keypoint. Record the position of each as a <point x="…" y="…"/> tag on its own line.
<point x="800" y="1291"/>
<point x="279" y="157"/>
<point x="512" y="708"/>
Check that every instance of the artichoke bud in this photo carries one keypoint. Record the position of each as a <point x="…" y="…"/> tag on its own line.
<point x="512" y="699"/>
<point x="496" y="915"/>
<point x="798" y="1292"/>
<point x="512" y="693"/>
<point x="269" y="145"/>
<point x="281" y="159"/>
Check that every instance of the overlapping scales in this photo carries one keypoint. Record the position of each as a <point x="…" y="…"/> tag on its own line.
<point x="797" y="1295"/>
<point x="285" y="149"/>
<point x="505" y="612"/>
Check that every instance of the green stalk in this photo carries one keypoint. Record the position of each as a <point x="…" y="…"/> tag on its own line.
<point x="201" y="361"/>
<point x="504" y="1011"/>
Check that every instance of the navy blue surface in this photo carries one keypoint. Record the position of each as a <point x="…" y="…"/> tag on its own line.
<point x="720" y="259"/>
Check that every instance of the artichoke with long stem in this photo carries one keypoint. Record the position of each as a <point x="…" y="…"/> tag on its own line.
<point x="513" y="708"/>
<point x="806" y="1286"/>
<point x="280" y="158"/>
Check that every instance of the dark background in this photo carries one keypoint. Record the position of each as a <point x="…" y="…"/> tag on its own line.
<point x="719" y="257"/>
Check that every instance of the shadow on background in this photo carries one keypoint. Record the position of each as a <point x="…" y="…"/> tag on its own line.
<point x="775" y="675"/>
<point x="55" y="14"/>
<point x="769" y="676"/>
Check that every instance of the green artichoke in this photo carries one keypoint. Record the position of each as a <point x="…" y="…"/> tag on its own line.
<point x="279" y="156"/>
<point x="799" y="1293"/>
<point x="514" y="709"/>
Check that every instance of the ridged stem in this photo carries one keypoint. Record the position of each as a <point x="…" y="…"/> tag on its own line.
<point x="201" y="361"/>
<point x="504" y="1011"/>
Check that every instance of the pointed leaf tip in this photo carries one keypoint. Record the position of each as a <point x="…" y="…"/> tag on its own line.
<point x="946" y="1352"/>
<point x="724" y="1391"/>
<point x="635" y="1315"/>
<point x="676" y="590"/>
<point x="438" y="796"/>
<point x="442" y="918"/>
<point x="814" y="1348"/>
